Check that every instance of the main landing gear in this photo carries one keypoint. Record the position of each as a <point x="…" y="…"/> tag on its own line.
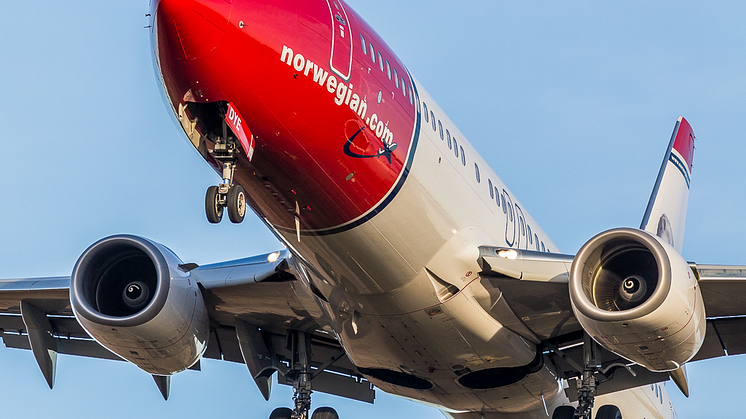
<point x="587" y="388"/>
<point x="300" y="375"/>
<point x="607" y="411"/>
<point x="227" y="194"/>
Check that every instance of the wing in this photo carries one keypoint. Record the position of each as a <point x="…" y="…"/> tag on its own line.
<point x="537" y="305"/>
<point x="724" y="293"/>
<point x="256" y="310"/>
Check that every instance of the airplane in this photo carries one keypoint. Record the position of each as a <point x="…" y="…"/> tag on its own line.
<point x="462" y="154"/>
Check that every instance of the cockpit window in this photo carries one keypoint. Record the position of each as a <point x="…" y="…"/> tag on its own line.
<point x="362" y="39"/>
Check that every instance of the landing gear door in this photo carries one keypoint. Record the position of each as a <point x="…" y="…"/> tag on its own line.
<point x="238" y="126"/>
<point x="341" y="57"/>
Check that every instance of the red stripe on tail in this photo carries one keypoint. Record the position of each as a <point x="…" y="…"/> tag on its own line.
<point x="684" y="143"/>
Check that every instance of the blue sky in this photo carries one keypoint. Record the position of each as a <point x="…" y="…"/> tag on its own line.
<point x="571" y="104"/>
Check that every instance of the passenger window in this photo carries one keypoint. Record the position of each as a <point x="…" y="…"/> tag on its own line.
<point x="448" y="136"/>
<point x="492" y="192"/>
<point x="380" y="60"/>
<point x="388" y="69"/>
<point x="440" y="129"/>
<point x="463" y="156"/>
<point x="432" y="117"/>
<point x="476" y="170"/>
<point x="427" y="119"/>
<point x="362" y="39"/>
<point x="372" y="53"/>
<point x="396" y="79"/>
<point x="455" y="146"/>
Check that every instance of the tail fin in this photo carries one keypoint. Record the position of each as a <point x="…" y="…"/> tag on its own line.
<point x="666" y="211"/>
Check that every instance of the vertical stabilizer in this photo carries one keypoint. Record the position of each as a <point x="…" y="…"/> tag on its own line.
<point x="666" y="211"/>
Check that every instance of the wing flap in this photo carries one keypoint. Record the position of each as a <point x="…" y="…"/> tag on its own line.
<point x="712" y="346"/>
<point x="78" y="347"/>
<point x="732" y="334"/>
<point x="723" y="290"/>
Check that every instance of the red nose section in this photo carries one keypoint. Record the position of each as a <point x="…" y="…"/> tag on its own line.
<point x="190" y="29"/>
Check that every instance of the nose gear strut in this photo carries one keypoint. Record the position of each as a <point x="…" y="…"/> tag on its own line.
<point x="226" y="194"/>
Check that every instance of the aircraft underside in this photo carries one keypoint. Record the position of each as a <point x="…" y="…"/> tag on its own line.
<point x="408" y="266"/>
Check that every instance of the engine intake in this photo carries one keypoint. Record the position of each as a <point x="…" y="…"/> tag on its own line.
<point x="636" y="296"/>
<point x="131" y="296"/>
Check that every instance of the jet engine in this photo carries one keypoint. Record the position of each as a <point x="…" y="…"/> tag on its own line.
<point x="636" y="296"/>
<point x="131" y="296"/>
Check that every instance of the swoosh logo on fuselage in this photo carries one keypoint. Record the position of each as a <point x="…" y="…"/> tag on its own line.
<point x="385" y="151"/>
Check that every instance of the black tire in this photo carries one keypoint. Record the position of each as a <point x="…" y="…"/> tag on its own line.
<point x="608" y="411"/>
<point x="236" y="204"/>
<point x="564" y="412"/>
<point x="281" y="413"/>
<point x="213" y="209"/>
<point x="325" y="413"/>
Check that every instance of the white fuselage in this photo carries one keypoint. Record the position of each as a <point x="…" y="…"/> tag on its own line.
<point x="389" y="282"/>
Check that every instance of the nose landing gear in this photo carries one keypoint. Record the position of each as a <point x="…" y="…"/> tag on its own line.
<point x="227" y="194"/>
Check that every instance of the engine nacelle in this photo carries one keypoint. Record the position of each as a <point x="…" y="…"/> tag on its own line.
<point x="636" y="296"/>
<point x="131" y="296"/>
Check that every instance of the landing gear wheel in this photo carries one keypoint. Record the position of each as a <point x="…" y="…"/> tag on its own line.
<point x="608" y="411"/>
<point x="236" y="204"/>
<point x="213" y="208"/>
<point x="325" y="413"/>
<point x="564" y="412"/>
<point x="281" y="413"/>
